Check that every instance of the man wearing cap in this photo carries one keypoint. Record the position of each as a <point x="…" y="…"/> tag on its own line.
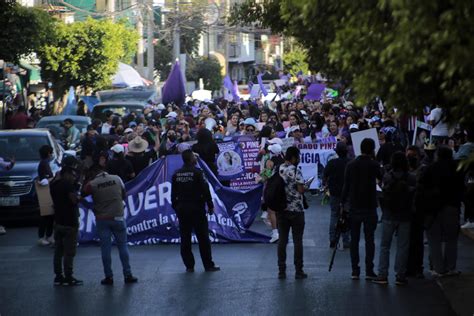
<point x="189" y="195"/>
<point x="333" y="178"/>
<point x="250" y="126"/>
<point x="108" y="193"/>
<point x="120" y="166"/>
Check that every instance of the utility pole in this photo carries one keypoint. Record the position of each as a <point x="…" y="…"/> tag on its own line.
<point x="140" y="48"/>
<point x="150" y="47"/>
<point x="176" y="32"/>
<point x="111" y="8"/>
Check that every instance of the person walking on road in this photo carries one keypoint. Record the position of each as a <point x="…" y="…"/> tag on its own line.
<point x="397" y="205"/>
<point x="293" y="217"/>
<point x="333" y="177"/>
<point x="108" y="193"/>
<point x="189" y="195"/>
<point x="359" y="192"/>
<point x="64" y="192"/>
<point x="5" y="165"/>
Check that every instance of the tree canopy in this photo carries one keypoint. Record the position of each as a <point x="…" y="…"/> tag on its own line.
<point x="87" y="53"/>
<point x="208" y="69"/>
<point x="410" y="53"/>
<point x="294" y="61"/>
<point x="24" y="30"/>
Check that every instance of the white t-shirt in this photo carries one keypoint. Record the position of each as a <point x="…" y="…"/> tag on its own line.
<point x="440" y="129"/>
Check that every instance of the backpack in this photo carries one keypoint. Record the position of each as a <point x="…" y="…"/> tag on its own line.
<point x="274" y="194"/>
<point x="396" y="193"/>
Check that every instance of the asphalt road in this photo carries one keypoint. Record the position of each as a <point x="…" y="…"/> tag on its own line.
<point x="247" y="284"/>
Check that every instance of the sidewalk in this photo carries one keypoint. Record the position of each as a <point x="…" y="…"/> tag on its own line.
<point x="460" y="290"/>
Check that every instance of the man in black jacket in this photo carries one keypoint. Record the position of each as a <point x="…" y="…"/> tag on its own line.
<point x="189" y="195"/>
<point x="333" y="177"/>
<point x="359" y="192"/>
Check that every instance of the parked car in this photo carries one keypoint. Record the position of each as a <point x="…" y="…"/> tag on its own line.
<point x="17" y="191"/>
<point x="55" y="124"/>
<point x="120" y="108"/>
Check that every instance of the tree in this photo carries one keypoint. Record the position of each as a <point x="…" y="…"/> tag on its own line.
<point x="163" y="59"/>
<point x="410" y="53"/>
<point x="295" y="61"/>
<point x="23" y="30"/>
<point x="208" y="69"/>
<point x="87" y="53"/>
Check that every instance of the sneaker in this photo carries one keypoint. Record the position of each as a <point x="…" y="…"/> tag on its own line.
<point x="300" y="275"/>
<point x="436" y="275"/>
<point x="107" y="281"/>
<point x="380" y="280"/>
<point x="282" y="275"/>
<point x="59" y="280"/>
<point x="400" y="280"/>
<point x="274" y="238"/>
<point x="468" y="225"/>
<point x="2" y="230"/>
<point x="370" y="276"/>
<point x="264" y="215"/>
<point x="71" y="281"/>
<point x="355" y="275"/>
<point x="130" y="279"/>
<point x="43" y="242"/>
<point x="190" y="270"/>
<point x="213" y="269"/>
<point x="50" y="240"/>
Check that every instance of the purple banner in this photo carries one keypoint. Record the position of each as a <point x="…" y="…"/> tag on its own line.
<point x="315" y="91"/>
<point x="250" y="148"/>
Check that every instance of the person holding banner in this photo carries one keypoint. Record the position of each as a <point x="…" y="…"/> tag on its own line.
<point x="189" y="195"/>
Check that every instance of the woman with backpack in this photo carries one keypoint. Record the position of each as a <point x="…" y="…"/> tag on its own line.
<point x="397" y="205"/>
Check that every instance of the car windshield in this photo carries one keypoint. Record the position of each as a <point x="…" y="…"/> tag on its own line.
<point x="22" y="147"/>
<point x="100" y="111"/>
<point x="57" y="129"/>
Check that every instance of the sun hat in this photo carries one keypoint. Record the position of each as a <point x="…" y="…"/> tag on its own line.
<point x="137" y="145"/>
<point x="275" y="149"/>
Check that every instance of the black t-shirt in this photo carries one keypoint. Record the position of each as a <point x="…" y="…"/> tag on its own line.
<point x="44" y="169"/>
<point x="140" y="162"/>
<point x="66" y="213"/>
<point x="120" y="167"/>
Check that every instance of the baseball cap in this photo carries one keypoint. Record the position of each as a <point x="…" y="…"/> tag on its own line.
<point x="275" y="149"/>
<point x="353" y="126"/>
<point x="172" y="114"/>
<point x="128" y="130"/>
<point x="132" y="124"/>
<point x="160" y="107"/>
<point x="117" y="148"/>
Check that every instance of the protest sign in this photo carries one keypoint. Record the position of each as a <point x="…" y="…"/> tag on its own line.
<point x="229" y="162"/>
<point x="358" y="137"/>
<point x="421" y="133"/>
<point x="312" y="156"/>
<point x="250" y="148"/>
<point x="151" y="219"/>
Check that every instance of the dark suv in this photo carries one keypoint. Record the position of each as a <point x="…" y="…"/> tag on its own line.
<point x="17" y="191"/>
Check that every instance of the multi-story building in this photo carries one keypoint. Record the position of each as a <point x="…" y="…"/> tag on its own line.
<point x="242" y="51"/>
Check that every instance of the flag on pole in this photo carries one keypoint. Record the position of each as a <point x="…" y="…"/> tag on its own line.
<point x="174" y="89"/>
<point x="235" y="92"/>
<point x="260" y="83"/>
<point x="71" y="106"/>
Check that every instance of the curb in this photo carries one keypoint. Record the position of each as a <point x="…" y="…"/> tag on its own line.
<point x="468" y="232"/>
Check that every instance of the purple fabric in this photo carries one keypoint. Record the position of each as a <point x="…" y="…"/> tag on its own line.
<point x="260" y="83"/>
<point x="315" y="91"/>
<point x="174" y="89"/>
<point x="235" y="92"/>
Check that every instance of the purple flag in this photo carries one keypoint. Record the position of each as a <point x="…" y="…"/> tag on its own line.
<point x="174" y="89"/>
<point x="260" y="83"/>
<point x="228" y="83"/>
<point x="235" y="92"/>
<point x="314" y="91"/>
<point x="297" y="91"/>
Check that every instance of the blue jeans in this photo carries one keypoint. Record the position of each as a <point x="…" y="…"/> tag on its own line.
<point x="335" y="202"/>
<point x="105" y="230"/>
<point x="403" y="246"/>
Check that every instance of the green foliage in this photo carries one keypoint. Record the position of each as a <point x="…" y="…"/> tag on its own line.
<point x="208" y="69"/>
<point x="163" y="59"/>
<point x="295" y="61"/>
<point x="411" y="53"/>
<point x="87" y="53"/>
<point x="23" y="30"/>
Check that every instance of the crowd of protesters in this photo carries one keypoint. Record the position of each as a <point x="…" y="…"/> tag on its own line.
<point x="425" y="173"/>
